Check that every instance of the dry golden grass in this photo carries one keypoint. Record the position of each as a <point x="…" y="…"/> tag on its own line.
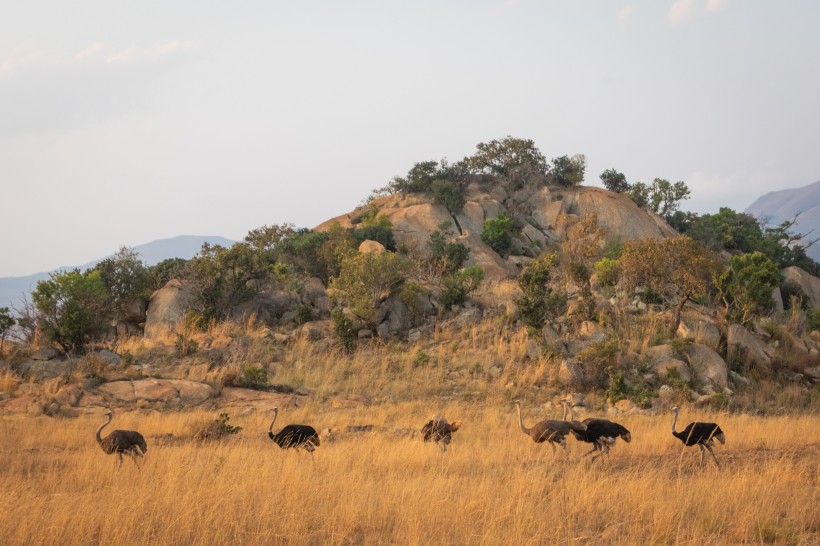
<point x="493" y="486"/>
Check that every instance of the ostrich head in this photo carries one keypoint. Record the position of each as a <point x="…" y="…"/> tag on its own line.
<point x="626" y="437"/>
<point x="108" y="412"/>
<point x="455" y="425"/>
<point x="675" y="409"/>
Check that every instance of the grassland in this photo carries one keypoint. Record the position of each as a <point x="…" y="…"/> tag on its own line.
<point x="493" y="486"/>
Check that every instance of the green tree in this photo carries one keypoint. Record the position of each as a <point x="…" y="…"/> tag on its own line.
<point x="678" y="268"/>
<point x="665" y="197"/>
<point x="450" y="195"/>
<point x="222" y="278"/>
<point x="639" y="193"/>
<point x="302" y="250"/>
<point x="375" y="227"/>
<point x="506" y="157"/>
<point x="266" y="238"/>
<point x="497" y="233"/>
<point x="164" y="271"/>
<point x="614" y="181"/>
<point x="368" y="279"/>
<point x="6" y="323"/>
<point x="126" y="279"/>
<point x="72" y="308"/>
<point x="746" y="286"/>
<point x="568" y="171"/>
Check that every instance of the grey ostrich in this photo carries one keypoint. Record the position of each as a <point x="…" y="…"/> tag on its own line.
<point x="129" y="442"/>
<point x="601" y="433"/>
<point x="303" y="436"/>
<point x="439" y="431"/>
<point x="701" y="434"/>
<point x="550" y="430"/>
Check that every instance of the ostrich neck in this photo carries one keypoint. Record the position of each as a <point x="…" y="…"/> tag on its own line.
<point x="99" y="440"/>
<point x="275" y="415"/>
<point x="521" y="420"/>
<point x="564" y="417"/>
<point x="674" y="422"/>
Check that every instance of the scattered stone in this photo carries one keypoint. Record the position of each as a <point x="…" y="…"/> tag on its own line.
<point x="662" y="367"/>
<point x="745" y="347"/>
<point x="365" y="334"/>
<point x="666" y="393"/>
<point x="44" y="353"/>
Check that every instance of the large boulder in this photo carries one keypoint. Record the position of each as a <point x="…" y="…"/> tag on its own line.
<point x="702" y="332"/>
<point x="661" y="368"/>
<point x="707" y="364"/>
<point x="809" y="284"/>
<point x="167" y="306"/>
<point x="744" y="347"/>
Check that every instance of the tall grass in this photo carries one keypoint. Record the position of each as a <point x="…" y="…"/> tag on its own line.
<point x="492" y="486"/>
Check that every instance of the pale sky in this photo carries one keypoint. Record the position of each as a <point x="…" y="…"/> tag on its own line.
<point x="126" y="122"/>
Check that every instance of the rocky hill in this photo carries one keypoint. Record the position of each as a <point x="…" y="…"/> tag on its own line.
<point x="544" y="215"/>
<point x="784" y="205"/>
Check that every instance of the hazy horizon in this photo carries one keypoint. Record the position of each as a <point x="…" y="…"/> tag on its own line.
<point x="121" y="124"/>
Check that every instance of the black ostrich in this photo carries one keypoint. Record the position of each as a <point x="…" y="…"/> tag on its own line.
<point x="304" y="436"/>
<point x="129" y="442"/>
<point x="700" y="434"/>
<point x="601" y="433"/>
<point x="550" y="430"/>
<point x="439" y="431"/>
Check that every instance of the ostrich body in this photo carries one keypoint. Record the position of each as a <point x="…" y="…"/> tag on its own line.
<point x="550" y="430"/>
<point x="304" y="436"/>
<point x="129" y="442"/>
<point x="439" y="431"/>
<point x="701" y="434"/>
<point x="601" y="433"/>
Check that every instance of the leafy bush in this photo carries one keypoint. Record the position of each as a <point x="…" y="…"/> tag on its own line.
<point x="608" y="271"/>
<point x="343" y="331"/>
<point x="457" y="286"/>
<point x="446" y="256"/>
<point x="449" y="194"/>
<point x="746" y="286"/>
<point x="497" y="233"/>
<point x="215" y="430"/>
<point x="254" y="377"/>
<point x="539" y="301"/>
<point x="304" y="313"/>
<point x="367" y="279"/>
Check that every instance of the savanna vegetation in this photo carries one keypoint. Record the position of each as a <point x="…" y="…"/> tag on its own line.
<point x="340" y="332"/>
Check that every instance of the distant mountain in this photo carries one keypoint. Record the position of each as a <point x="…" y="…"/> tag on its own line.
<point x="779" y="206"/>
<point x="13" y="289"/>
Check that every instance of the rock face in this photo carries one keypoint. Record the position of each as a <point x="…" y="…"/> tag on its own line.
<point x="166" y="307"/>
<point x="543" y="214"/>
<point x="749" y="350"/>
<point x="809" y="284"/>
<point x="170" y="392"/>
<point x="701" y="332"/>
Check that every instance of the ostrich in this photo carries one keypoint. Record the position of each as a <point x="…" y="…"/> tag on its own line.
<point x="550" y="430"/>
<point x="129" y="442"/>
<point x="700" y="434"/>
<point x="294" y="435"/>
<point x="601" y="433"/>
<point x="439" y="430"/>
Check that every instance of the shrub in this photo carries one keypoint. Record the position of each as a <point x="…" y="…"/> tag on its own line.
<point x="497" y="233"/>
<point x="608" y="271"/>
<point x="367" y="279"/>
<point x="254" y="377"/>
<point x="447" y="257"/>
<point x="539" y="300"/>
<point x="215" y="430"/>
<point x="457" y="286"/>
<point x="343" y="331"/>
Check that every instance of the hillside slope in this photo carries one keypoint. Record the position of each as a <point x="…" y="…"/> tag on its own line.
<point x="783" y="205"/>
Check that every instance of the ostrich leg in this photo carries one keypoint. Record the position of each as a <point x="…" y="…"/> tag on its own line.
<point x="712" y="453"/>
